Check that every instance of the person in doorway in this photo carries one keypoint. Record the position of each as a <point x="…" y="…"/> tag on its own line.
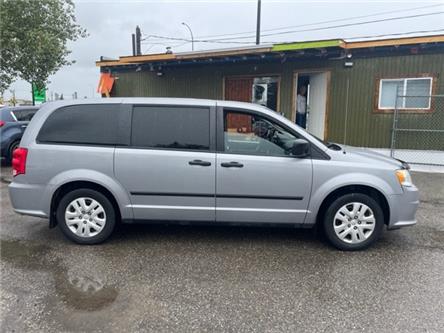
<point x="301" y="107"/>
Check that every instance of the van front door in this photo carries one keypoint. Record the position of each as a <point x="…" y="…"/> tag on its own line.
<point x="169" y="168"/>
<point x="257" y="178"/>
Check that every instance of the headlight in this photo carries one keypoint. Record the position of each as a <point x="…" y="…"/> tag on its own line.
<point x="404" y="177"/>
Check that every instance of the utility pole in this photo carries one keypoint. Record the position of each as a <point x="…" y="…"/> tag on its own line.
<point x="32" y="92"/>
<point x="258" y="23"/>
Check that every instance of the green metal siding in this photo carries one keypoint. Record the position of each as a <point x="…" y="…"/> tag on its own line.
<point x="362" y="127"/>
<point x="195" y="82"/>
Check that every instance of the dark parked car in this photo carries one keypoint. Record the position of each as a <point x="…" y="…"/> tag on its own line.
<point x="13" y="122"/>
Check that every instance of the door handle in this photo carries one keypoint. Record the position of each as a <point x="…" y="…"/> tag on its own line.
<point x="24" y="126"/>
<point x="232" y="165"/>
<point x="199" y="162"/>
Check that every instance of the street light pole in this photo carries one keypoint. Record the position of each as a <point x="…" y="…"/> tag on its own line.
<point x="191" y="33"/>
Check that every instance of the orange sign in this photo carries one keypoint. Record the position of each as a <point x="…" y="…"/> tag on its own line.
<point x="105" y="84"/>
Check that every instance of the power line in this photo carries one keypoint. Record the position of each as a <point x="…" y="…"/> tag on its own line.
<point x="271" y="42"/>
<point x="233" y="40"/>
<point x="196" y="41"/>
<point x="152" y="45"/>
<point x="336" y="26"/>
<point x="324" y="22"/>
<point x="283" y="42"/>
<point x="164" y="43"/>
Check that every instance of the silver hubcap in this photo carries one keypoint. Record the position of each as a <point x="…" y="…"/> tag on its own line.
<point x="354" y="223"/>
<point x="85" y="217"/>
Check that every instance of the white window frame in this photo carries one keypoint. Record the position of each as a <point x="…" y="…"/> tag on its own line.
<point x="402" y="107"/>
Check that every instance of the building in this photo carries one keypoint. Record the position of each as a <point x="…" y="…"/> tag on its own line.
<point x="352" y="85"/>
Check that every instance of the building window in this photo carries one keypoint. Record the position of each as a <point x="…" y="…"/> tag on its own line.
<point x="405" y="93"/>
<point x="263" y="90"/>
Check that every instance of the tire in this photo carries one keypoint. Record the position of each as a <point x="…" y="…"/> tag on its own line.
<point x="353" y="222"/>
<point x="87" y="224"/>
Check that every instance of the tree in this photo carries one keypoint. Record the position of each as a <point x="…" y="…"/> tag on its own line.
<point x="33" y="39"/>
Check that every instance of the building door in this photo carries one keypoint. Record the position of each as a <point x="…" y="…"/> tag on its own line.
<point x="316" y="91"/>
<point x="316" y="104"/>
<point x="238" y="89"/>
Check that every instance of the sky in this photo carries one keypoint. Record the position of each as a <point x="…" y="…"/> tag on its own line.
<point x="110" y="25"/>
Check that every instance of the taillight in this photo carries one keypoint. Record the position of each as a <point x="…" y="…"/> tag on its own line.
<point x="19" y="161"/>
<point x="2" y="123"/>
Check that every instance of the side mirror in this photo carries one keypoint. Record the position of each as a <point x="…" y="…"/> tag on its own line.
<point x="301" y="148"/>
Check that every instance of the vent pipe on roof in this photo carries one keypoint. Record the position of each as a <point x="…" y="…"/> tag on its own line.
<point x="133" y="40"/>
<point x="138" y="39"/>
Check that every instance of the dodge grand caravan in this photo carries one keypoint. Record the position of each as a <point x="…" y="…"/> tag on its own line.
<point x="91" y="164"/>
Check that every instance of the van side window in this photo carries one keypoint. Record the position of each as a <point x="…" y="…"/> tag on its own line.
<point x="82" y="124"/>
<point x="250" y="134"/>
<point x="171" y="127"/>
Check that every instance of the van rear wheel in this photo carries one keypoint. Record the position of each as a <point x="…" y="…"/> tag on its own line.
<point x="353" y="222"/>
<point x="86" y="216"/>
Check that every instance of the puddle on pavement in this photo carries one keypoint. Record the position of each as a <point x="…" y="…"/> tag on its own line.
<point x="84" y="292"/>
<point x="78" y="291"/>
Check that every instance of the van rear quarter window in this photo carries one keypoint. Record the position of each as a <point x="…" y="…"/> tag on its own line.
<point x="82" y="124"/>
<point x="173" y="127"/>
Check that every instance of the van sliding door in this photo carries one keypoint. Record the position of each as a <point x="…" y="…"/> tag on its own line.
<point x="169" y="167"/>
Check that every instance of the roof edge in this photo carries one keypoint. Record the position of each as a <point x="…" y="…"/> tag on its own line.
<point x="279" y="47"/>
<point x="395" y="41"/>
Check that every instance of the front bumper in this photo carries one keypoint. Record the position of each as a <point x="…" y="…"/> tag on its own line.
<point x="403" y="208"/>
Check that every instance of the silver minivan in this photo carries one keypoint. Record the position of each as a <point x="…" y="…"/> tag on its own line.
<point x="88" y="165"/>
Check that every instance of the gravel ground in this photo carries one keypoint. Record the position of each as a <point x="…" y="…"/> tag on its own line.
<point x="223" y="279"/>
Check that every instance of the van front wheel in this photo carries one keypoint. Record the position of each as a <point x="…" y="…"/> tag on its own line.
<point x="353" y="222"/>
<point x="86" y="216"/>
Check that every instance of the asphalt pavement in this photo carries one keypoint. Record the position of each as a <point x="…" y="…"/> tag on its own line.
<point x="222" y="279"/>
